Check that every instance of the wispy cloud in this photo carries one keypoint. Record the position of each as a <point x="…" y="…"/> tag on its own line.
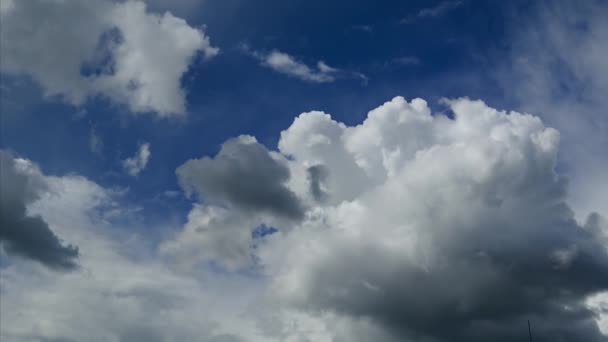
<point x="136" y="164"/>
<point x="433" y="12"/>
<point x="286" y="64"/>
<point x="289" y="65"/>
<point x="406" y="60"/>
<point x="363" y="28"/>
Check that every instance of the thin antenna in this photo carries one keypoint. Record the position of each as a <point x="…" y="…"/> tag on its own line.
<point x="529" y="331"/>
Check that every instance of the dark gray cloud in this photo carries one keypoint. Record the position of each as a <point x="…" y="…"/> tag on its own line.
<point x="244" y="175"/>
<point x="486" y="288"/>
<point x="22" y="234"/>
<point x="317" y="176"/>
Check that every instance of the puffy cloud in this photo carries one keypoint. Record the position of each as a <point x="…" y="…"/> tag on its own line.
<point x="213" y="235"/>
<point x="244" y="186"/>
<point x="417" y="227"/>
<point x="118" y="50"/>
<point x="244" y="175"/>
<point x="22" y="233"/>
<point x="119" y="277"/>
<point x="428" y="229"/>
<point x="139" y="161"/>
<point x="457" y="229"/>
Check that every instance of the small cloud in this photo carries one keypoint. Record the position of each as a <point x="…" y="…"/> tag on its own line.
<point x="134" y="165"/>
<point x="364" y="28"/>
<point x="406" y="60"/>
<point x="433" y="12"/>
<point x="95" y="142"/>
<point x="286" y="64"/>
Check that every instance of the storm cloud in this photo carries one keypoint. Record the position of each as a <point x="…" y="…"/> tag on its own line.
<point x="20" y="233"/>
<point x="245" y="175"/>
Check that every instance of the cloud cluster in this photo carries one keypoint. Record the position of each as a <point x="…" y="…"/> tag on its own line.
<point x="118" y="50"/>
<point x="21" y="233"/>
<point x="242" y="187"/>
<point x="411" y="226"/>
<point x="120" y="292"/>
<point x="136" y="164"/>
<point x="422" y="226"/>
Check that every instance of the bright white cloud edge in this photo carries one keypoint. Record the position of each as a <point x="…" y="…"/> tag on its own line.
<point x="137" y="58"/>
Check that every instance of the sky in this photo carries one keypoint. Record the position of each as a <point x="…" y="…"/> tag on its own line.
<point x="229" y="171"/>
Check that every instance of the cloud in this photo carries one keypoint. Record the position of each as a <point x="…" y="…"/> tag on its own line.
<point x="118" y="50"/>
<point x="136" y="164"/>
<point x="119" y="277"/>
<point x="460" y="224"/>
<point x="288" y="65"/>
<point x="317" y="176"/>
<point x="214" y="235"/>
<point x="438" y="10"/>
<point x="244" y="175"/>
<point x="22" y="233"/>
<point x="406" y="60"/>
<point x="429" y="229"/>
<point x="557" y="64"/>
<point x="95" y="142"/>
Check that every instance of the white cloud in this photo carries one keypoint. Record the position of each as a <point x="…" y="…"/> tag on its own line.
<point x="77" y="50"/>
<point x="286" y="64"/>
<point x="423" y="221"/>
<point x="213" y="234"/>
<point x="557" y="69"/>
<point x="120" y="292"/>
<point x="139" y="161"/>
<point x="438" y="10"/>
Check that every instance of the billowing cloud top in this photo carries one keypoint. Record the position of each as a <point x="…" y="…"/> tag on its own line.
<point x="415" y="221"/>
<point x="411" y="226"/>
<point x="118" y="50"/>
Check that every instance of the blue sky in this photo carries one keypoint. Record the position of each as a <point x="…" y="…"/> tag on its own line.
<point x="445" y="56"/>
<point x="161" y="135"/>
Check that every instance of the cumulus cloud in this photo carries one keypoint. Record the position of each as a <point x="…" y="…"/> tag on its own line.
<point x="118" y="277"/>
<point x="413" y="221"/>
<point x="460" y="233"/>
<point x="214" y="235"/>
<point x="118" y="50"/>
<point x="244" y="174"/>
<point x="136" y="164"/>
<point x="411" y="226"/>
<point x="21" y="233"/>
